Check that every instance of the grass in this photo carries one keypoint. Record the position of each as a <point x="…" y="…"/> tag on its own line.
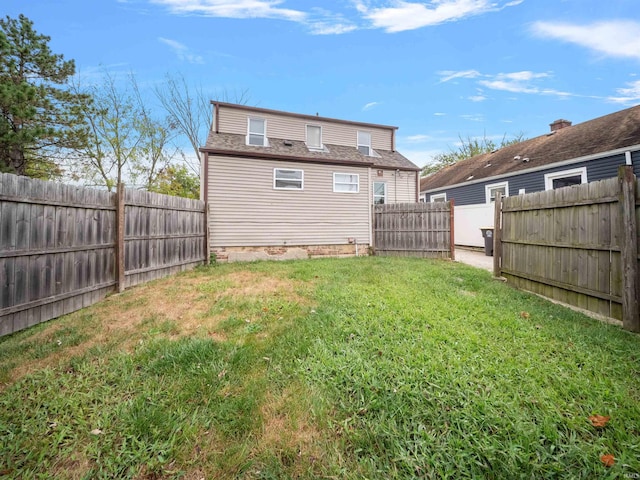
<point x="356" y="368"/>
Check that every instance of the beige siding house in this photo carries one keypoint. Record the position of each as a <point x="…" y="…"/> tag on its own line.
<point x="284" y="185"/>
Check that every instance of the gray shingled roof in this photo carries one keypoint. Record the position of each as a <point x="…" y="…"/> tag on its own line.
<point x="603" y="134"/>
<point x="228" y="144"/>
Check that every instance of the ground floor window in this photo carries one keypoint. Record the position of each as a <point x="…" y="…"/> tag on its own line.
<point x="288" y="179"/>
<point x="438" y="197"/>
<point x="565" y="178"/>
<point x="346" y="182"/>
<point x="493" y="189"/>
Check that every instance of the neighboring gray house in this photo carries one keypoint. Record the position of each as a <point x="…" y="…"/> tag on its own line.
<point x="286" y="185"/>
<point x="567" y="155"/>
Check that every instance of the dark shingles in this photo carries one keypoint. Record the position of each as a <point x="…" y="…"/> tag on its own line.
<point x="610" y="132"/>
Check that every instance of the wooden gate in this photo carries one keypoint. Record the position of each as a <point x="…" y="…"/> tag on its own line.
<point x="414" y="229"/>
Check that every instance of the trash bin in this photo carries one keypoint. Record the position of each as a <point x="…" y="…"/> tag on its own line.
<point x="487" y="234"/>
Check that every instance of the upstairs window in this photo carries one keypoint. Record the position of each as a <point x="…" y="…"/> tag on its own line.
<point x="379" y="193"/>
<point x="346" y="182"/>
<point x="257" y="132"/>
<point x="492" y="190"/>
<point x="364" y="143"/>
<point x="314" y="137"/>
<point x="288" y="179"/>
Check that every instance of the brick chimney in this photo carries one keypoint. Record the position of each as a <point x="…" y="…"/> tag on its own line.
<point x="559" y="124"/>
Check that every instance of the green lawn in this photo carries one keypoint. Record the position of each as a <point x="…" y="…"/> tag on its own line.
<point x="339" y="368"/>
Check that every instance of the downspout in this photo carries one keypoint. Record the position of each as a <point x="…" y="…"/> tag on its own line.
<point x="370" y="183"/>
<point x="206" y="178"/>
<point x="395" y="185"/>
<point x="207" y="208"/>
<point x="417" y="188"/>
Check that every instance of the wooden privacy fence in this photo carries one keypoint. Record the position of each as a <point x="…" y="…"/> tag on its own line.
<point x="578" y="245"/>
<point x="414" y="229"/>
<point x="64" y="247"/>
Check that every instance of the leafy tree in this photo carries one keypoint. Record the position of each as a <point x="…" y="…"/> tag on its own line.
<point x="177" y="180"/>
<point x="125" y="142"/>
<point x="38" y="116"/>
<point x="469" y="147"/>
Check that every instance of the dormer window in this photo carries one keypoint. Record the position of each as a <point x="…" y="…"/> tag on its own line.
<point x="364" y="143"/>
<point x="314" y="137"/>
<point x="257" y="132"/>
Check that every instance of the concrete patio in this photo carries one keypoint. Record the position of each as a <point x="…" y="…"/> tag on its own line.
<point x="475" y="258"/>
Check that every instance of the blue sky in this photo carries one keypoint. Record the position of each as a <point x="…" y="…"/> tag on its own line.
<point x="437" y="69"/>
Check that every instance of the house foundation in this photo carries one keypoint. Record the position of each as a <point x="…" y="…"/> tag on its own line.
<point x="287" y="252"/>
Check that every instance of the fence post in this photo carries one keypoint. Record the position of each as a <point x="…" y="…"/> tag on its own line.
<point x="452" y="229"/>
<point x="207" y="235"/>
<point x="497" y="236"/>
<point x="120" y="237"/>
<point x="629" y="248"/>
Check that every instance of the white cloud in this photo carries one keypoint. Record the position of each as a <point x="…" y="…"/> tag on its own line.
<point x="319" y="21"/>
<point x="328" y="28"/>
<point x="476" y="117"/>
<point x="418" y="138"/>
<point x="613" y="38"/>
<point x="392" y="16"/>
<point x="448" y="75"/>
<point x="324" y="22"/>
<point x="439" y="114"/>
<point x="370" y="105"/>
<point x="628" y="95"/>
<point x="508" y="86"/>
<point x="520" y="82"/>
<point x="524" y="76"/>
<point x="524" y="81"/>
<point x="402" y="15"/>
<point x="182" y="51"/>
<point x="233" y="8"/>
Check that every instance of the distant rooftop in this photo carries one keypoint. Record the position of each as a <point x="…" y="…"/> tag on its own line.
<point x="603" y="134"/>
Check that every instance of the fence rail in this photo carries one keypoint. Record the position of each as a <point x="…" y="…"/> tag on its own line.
<point x="65" y="247"/>
<point x="577" y="245"/>
<point x="414" y="229"/>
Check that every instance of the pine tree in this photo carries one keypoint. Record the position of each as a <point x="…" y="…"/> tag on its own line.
<point x="39" y="117"/>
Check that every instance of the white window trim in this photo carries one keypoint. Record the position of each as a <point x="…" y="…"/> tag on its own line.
<point x="437" y="196"/>
<point x="368" y="145"/>
<point x="550" y="177"/>
<point x="373" y="187"/>
<point x="265" y="141"/>
<point x="487" y="190"/>
<point x="306" y="141"/>
<point x="285" y="188"/>
<point x="342" y="183"/>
